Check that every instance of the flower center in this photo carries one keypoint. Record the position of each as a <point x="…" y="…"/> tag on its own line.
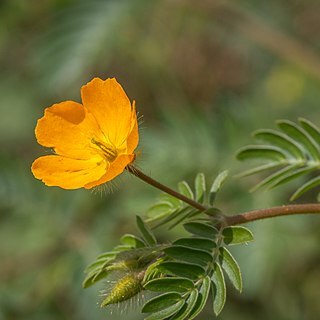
<point x="109" y="152"/>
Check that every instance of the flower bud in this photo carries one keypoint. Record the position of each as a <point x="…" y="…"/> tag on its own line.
<point x="125" y="288"/>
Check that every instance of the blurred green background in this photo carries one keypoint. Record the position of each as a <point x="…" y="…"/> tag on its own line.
<point x="204" y="74"/>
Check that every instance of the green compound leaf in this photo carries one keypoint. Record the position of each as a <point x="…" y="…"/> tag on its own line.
<point x="273" y="179"/>
<point x="196" y="243"/>
<point x="190" y="255"/>
<point x="137" y="254"/>
<point x="100" y="261"/>
<point x="185" y="189"/>
<point x="200" y="187"/>
<point x="93" y="278"/>
<point x="107" y="255"/>
<point x="146" y="233"/>
<point x="96" y="270"/>
<point x="218" y="289"/>
<point x="159" y="211"/>
<point x="280" y="140"/>
<point x="300" y="135"/>
<point x="217" y="183"/>
<point x="131" y="259"/>
<point x="122" y="247"/>
<point x="162" y="302"/>
<point x="187" y="307"/>
<point x="132" y="241"/>
<point x="292" y="175"/>
<point x="201" y="229"/>
<point x="175" y="203"/>
<point x="292" y="152"/>
<point x="164" y="210"/>
<point x="306" y="187"/>
<point x="170" y="284"/>
<point x="202" y="298"/>
<point x="231" y="267"/>
<point x="152" y="271"/>
<point x="125" y="258"/>
<point x="236" y="235"/>
<point x="213" y="212"/>
<point x="181" y="269"/>
<point x="190" y="212"/>
<point x="167" y="312"/>
<point x="271" y="153"/>
<point x="175" y="214"/>
<point x="259" y="169"/>
<point x="174" y="211"/>
<point x="311" y="129"/>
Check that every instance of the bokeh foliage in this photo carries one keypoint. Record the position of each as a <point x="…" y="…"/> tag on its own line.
<point x="204" y="75"/>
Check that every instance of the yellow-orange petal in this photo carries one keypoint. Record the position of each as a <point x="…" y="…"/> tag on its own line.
<point x="110" y="106"/>
<point x="115" y="168"/>
<point x="68" y="173"/>
<point x="133" y="137"/>
<point x="68" y="128"/>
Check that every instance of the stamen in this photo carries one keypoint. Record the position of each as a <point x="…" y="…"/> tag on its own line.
<point x="108" y="151"/>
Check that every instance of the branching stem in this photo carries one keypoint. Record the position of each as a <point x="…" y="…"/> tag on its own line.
<point x="246" y="217"/>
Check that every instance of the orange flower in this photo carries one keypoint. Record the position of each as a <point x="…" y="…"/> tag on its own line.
<point x="93" y="142"/>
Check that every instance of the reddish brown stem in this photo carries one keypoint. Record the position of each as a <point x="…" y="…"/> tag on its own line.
<point x="260" y="214"/>
<point x="239" y="218"/>
<point x="164" y="188"/>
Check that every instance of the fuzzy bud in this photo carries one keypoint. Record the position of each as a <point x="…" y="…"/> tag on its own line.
<point x="125" y="288"/>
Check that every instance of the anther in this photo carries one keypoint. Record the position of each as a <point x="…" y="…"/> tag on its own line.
<point x="109" y="152"/>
